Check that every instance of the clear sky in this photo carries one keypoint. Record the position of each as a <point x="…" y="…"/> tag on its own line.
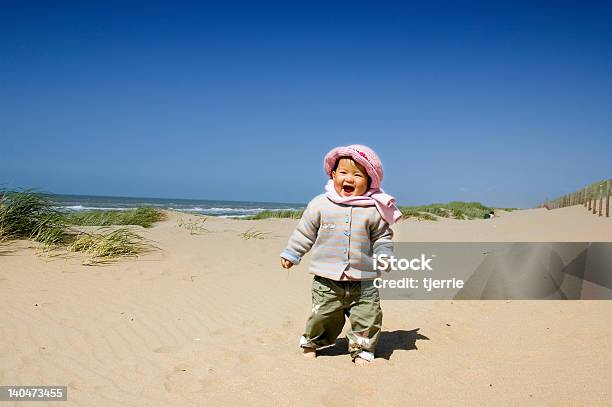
<point x="506" y="103"/>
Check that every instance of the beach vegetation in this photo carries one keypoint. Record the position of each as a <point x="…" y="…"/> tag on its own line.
<point x="408" y="212"/>
<point x="144" y="216"/>
<point x="253" y="234"/>
<point x="107" y="245"/>
<point x="28" y="214"/>
<point x="32" y="215"/>
<point x="454" y="209"/>
<point x="194" y="226"/>
<point x="285" y="213"/>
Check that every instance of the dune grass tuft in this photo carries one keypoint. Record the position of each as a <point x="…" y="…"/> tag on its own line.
<point x="108" y="245"/>
<point x="31" y="215"/>
<point x="288" y="213"/>
<point x="253" y="234"/>
<point x="145" y="217"/>
<point x="195" y="227"/>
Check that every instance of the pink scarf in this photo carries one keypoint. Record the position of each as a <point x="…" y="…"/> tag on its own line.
<point x="374" y="197"/>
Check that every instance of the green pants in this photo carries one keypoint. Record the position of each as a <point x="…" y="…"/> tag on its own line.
<point x="331" y="302"/>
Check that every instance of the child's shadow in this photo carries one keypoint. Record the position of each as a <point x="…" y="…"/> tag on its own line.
<point x="387" y="344"/>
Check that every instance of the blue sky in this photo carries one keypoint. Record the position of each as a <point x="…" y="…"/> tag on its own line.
<point x="506" y="103"/>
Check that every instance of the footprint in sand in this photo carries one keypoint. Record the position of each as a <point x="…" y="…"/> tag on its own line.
<point x="252" y="339"/>
<point x="186" y="378"/>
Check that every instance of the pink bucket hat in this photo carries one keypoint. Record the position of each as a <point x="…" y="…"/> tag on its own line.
<point x="361" y="154"/>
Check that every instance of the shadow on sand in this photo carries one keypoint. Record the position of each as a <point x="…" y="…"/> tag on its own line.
<point x="388" y="343"/>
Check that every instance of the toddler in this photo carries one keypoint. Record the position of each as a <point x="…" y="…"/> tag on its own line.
<point x="345" y="227"/>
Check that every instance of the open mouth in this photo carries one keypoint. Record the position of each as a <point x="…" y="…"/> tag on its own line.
<point x="347" y="189"/>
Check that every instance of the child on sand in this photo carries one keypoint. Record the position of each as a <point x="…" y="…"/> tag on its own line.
<point x="345" y="227"/>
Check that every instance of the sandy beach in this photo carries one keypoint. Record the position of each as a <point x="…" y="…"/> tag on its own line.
<point x="212" y="319"/>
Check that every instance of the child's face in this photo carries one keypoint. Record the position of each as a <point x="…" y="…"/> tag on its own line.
<point x="350" y="178"/>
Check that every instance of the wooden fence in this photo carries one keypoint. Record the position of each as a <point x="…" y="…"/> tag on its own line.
<point x="595" y="198"/>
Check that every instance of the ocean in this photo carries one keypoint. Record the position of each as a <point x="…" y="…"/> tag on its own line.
<point x="201" y="206"/>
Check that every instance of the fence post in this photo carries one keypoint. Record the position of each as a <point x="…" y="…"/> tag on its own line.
<point x="584" y="198"/>
<point x="608" y="199"/>
<point x="600" y="198"/>
<point x="589" y="201"/>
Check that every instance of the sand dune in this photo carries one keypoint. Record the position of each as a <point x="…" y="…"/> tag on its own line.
<point x="211" y="319"/>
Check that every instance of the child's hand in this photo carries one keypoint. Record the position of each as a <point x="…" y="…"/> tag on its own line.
<point x="286" y="264"/>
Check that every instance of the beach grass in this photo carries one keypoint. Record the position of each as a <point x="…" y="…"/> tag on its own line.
<point x="108" y="245"/>
<point x="288" y="213"/>
<point x="194" y="227"/>
<point x="144" y="216"/>
<point x="29" y="214"/>
<point x="593" y="190"/>
<point x="408" y="212"/>
<point x="454" y="209"/>
<point x="253" y="234"/>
